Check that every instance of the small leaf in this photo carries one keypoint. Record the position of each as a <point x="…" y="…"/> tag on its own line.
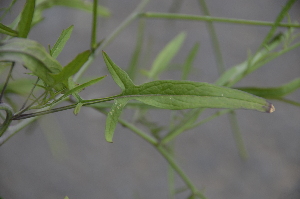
<point x="24" y="25"/>
<point x="33" y="56"/>
<point x="60" y="43"/>
<point x="275" y="92"/>
<point x="166" y="55"/>
<point x="78" y="88"/>
<point x="77" y="108"/>
<point x="72" y="68"/>
<point x="113" y="116"/>
<point x="189" y="61"/>
<point x="119" y="75"/>
<point x="7" y="30"/>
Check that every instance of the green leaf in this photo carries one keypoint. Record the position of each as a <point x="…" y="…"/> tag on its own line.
<point x="33" y="56"/>
<point x="166" y="55"/>
<point x="275" y="92"/>
<point x="72" y="68"/>
<point x="189" y="61"/>
<point x="24" y="25"/>
<point x="18" y="86"/>
<point x="119" y="75"/>
<point x="78" y="89"/>
<point x="7" y="30"/>
<point x="77" y="108"/>
<point x="113" y="116"/>
<point x="176" y="95"/>
<point x="236" y="73"/>
<point x="60" y="43"/>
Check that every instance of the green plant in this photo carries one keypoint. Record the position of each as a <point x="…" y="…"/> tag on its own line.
<point x="55" y="84"/>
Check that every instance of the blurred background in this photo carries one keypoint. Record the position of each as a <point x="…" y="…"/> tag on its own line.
<point x="63" y="154"/>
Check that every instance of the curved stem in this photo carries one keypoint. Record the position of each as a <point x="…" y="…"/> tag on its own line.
<point x="8" y="118"/>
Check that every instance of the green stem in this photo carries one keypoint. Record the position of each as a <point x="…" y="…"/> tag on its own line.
<point x="94" y="26"/>
<point x="213" y="38"/>
<point x="110" y="38"/>
<point x="6" y="81"/>
<point x="8" y="118"/>
<point x="215" y="19"/>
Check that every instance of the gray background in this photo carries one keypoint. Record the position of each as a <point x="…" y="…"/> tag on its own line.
<point x="63" y="154"/>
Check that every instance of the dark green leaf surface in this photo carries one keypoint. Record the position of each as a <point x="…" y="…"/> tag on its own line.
<point x="72" y="68"/>
<point x="7" y="30"/>
<point x="61" y="41"/>
<point x="32" y="55"/>
<point x="24" y="25"/>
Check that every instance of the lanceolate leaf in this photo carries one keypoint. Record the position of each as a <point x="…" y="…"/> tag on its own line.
<point x="7" y="30"/>
<point x="33" y="56"/>
<point x="61" y="41"/>
<point x="165" y="56"/>
<point x="24" y="25"/>
<point x="171" y="94"/>
<point x="275" y="92"/>
<point x="113" y="116"/>
<point x="72" y="68"/>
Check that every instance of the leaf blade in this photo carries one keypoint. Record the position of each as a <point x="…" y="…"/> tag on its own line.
<point x="61" y="41"/>
<point x="24" y="25"/>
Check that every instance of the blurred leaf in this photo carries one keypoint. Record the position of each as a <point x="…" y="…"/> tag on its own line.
<point x="60" y="43"/>
<point x="7" y="30"/>
<point x="275" y="92"/>
<point x="78" y="89"/>
<point x="19" y="86"/>
<point x="166" y="55"/>
<point x="77" y="108"/>
<point x="113" y="116"/>
<point x="71" y="68"/>
<point x="189" y="61"/>
<point x="33" y="56"/>
<point x="24" y="25"/>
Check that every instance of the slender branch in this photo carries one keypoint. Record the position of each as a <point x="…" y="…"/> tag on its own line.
<point x="213" y="19"/>
<point x="94" y="26"/>
<point x="110" y="38"/>
<point x="23" y="106"/>
<point x="6" y="81"/>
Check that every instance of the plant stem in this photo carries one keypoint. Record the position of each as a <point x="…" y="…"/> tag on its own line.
<point x="6" y="81"/>
<point x="94" y="26"/>
<point x="213" y="38"/>
<point x="215" y="19"/>
<point x="110" y="38"/>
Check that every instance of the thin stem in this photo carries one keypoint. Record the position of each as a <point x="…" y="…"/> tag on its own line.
<point x="215" y="19"/>
<point x="110" y="38"/>
<point x="94" y="26"/>
<point x="213" y="38"/>
<point x="6" y="81"/>
<point x="30" y="94"/>
<point x="237" y="135"/>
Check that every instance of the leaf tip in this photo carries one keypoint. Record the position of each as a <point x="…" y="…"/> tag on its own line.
<point x="270" y="108"/>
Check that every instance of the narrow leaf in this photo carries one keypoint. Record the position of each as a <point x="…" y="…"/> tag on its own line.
<point x="171" y="94"/>
<point x="24" y="25"/>
<point x="113" y="116"/>
<point x="72" y="68"/>
<point x="166" y="55"/>
<point x="60" y="43"/>
<point x="189" y="61"/>
<point x="33" y="56"/>
<point x="7" y="30"/>
<point x="78" y="88"/>
<point x="275" y="92"/>
<point x="120" y="76"/>
<point x="77" y="108"/>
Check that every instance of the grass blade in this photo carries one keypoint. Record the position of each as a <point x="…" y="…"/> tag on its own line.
<point x="24" y="25"/>
<point x="61" y="41"/>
